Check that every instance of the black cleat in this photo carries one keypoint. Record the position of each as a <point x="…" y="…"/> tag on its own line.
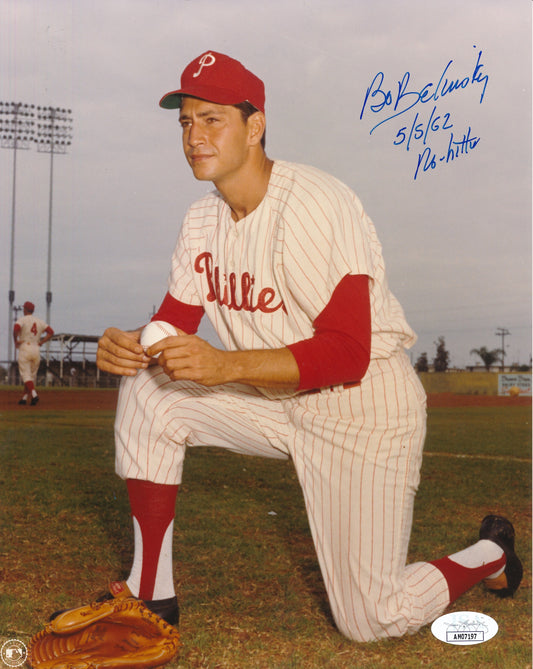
<point x="34" y="400"/>
<point x="501" y="531"/>
<point x="165" y="608"/>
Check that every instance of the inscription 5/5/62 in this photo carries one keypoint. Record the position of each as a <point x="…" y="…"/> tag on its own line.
<point x="421" y="130"/>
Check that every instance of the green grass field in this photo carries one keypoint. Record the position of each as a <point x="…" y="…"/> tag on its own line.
<point x="250" y="590"/>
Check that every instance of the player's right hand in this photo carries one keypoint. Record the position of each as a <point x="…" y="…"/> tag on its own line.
<point x="120" y="352"/>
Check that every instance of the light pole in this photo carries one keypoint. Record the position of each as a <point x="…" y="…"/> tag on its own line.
<point x="54" y="135"/>
<point x="502" y="332"/>
<point x="16" y="132"/>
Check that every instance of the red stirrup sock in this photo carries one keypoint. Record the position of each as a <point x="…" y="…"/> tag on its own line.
<point x="464" y="569"/>
<point x="153" y="509"/>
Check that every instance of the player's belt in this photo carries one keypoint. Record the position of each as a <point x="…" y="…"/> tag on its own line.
<point x="354" y="384"/>
<point x="345" y="386"/>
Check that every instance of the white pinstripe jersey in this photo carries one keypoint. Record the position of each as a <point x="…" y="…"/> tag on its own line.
<point x="264" y="279"/>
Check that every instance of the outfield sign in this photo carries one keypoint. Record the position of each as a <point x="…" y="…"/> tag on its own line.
<point x="514" y="384"/>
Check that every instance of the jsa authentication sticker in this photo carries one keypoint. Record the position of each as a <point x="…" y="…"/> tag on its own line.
<point x="464" y="628"/>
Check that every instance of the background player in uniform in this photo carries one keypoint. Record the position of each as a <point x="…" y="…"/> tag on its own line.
<point x="286" y="264"/>
<point x="28" y="334"/>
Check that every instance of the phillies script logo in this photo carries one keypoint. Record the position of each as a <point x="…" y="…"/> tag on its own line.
<point x="205" y="61"/>
<point x="225" y="293"/>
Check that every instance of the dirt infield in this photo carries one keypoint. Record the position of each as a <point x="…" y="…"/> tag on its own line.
<point x="51" y="399"/>
<point x="452" y="400"/>
<point x="104" y="399"/>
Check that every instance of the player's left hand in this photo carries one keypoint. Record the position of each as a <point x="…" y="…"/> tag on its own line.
<point x="189" y="357"/>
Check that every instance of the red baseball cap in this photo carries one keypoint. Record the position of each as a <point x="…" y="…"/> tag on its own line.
<point x="29" y="306"/>
<point x="217" y="78"/>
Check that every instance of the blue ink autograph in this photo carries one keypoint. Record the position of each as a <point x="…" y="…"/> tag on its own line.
<point x="428" y="159"/>
<point x="401" y="100"/>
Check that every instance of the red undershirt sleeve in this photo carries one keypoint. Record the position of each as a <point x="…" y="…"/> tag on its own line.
<point x="339" y="351"/>
<point x="187" y="317"/>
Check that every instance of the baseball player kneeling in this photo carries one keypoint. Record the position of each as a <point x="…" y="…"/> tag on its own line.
<point x="286" y="264"/>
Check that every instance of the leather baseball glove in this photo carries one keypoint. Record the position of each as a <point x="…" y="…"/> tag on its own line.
<point x="118" y="633"/>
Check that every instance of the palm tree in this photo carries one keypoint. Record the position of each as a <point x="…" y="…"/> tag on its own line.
<point x="488" y="357"/>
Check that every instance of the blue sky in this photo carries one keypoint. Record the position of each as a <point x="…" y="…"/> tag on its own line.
<point x="456" y="239"/>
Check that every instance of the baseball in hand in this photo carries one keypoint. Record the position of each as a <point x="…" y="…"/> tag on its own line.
<point x="155" y="331"/>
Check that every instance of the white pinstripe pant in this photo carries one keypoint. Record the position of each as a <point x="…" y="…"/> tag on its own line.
<point x="29" y="359"/>
<point x="357" y="454"/>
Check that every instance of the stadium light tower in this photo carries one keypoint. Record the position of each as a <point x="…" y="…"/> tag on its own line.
<point x="17" y="127"/>
<point x="54" y="135"/>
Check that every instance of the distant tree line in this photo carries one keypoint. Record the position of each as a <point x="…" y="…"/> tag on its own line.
<point x="442" y="358"/>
